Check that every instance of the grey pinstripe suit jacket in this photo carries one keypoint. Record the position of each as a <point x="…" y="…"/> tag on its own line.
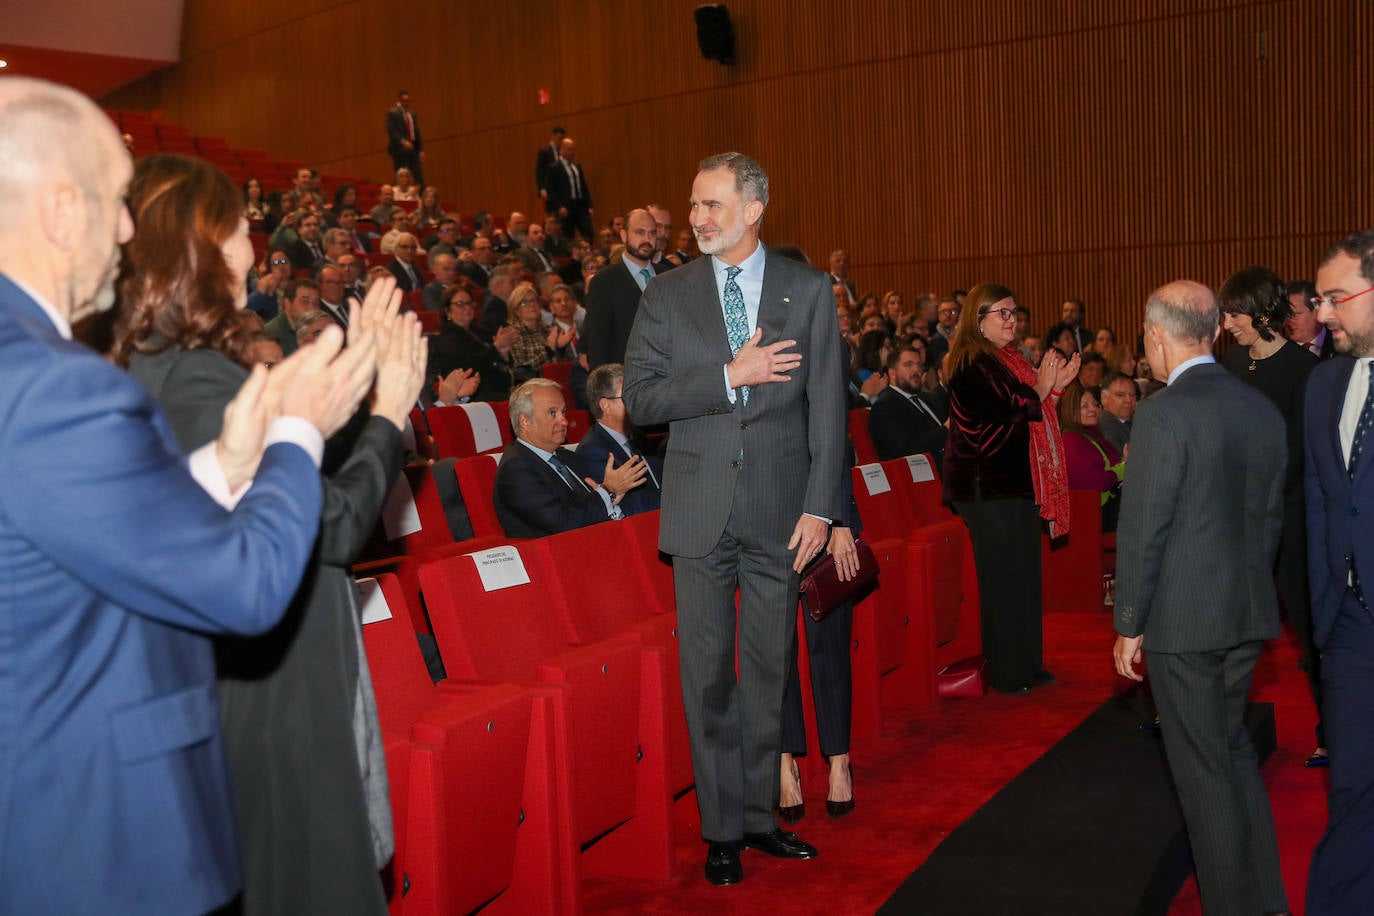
<point x="1201" y="512"/>
<point x="791" y="433"/>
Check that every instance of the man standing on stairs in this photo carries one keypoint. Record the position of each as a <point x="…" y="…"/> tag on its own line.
<point x="1201" y="513"/>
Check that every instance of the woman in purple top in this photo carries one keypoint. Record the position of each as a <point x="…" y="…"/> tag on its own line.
<point x="1093" y="462"/>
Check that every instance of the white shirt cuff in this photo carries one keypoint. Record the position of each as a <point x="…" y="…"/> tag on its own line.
<point x="299" y="432"/>
<point x="729" y="392"/>
<point x="204" y="464"/>
<point x="205" y="470"/>
<point x="612" y="510"/>
<point x="819" y="517"/>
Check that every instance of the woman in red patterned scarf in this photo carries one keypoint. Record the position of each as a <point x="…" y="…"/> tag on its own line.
<point x="1004" y="472"/>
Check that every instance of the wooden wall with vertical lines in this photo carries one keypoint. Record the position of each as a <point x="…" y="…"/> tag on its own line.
<point x="1061" y="147"/>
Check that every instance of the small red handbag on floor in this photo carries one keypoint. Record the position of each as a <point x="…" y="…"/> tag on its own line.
<point x="963" y="678"/>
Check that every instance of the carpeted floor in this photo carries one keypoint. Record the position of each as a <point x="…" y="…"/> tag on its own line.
<point x="929" y="773"/>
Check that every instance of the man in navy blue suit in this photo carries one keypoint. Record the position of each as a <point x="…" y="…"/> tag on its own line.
<point x="1340" y="551"/>
<point x="613" y="436"/>
<point x="538" y="490"/>
<point x="117" y="553"/>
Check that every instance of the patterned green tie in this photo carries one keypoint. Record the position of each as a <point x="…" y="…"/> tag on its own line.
<point x="736" y="318"/>
<point x="644" y="272"/>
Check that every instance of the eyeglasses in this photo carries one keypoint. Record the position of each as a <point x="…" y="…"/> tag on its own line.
<point x="1318" y="301"/>
<point x="462" y="304"/>
<point x="1004" y="314"/>
<point x="280" y="262"/>
<point x="949" y="311"/>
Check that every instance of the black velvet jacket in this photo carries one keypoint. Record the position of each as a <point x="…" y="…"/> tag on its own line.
<point x="988" y="453"/>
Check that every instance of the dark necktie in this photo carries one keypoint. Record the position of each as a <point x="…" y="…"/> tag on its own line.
<point x="630" y="448"/>
<point x="1361" y="428"/>
<point x="566" y="473"/>
<point x="924" y="408"/>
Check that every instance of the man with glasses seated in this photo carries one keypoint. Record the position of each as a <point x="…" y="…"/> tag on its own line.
<point x="946" y="319"/>
<point x="403" y="266"/>
<point x="445" y="267"/>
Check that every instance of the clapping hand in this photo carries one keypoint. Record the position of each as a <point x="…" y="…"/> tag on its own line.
<point x="401" y="355"/>
<point x="246" y="418"/>
<point x="322" y="385"/>
<point x="559" y="338"/>
<point x="459" y="384"/>
<point x="620" y="480"/>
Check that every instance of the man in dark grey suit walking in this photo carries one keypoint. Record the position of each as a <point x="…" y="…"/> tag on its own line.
<point x="1201" y="512"/>
<point x="740" y="353"/>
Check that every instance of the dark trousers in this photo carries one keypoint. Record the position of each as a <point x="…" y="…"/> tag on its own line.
<point x="1341" y="879"/>
<point x="1290" y="578"/>
<point x="1006" y="554"/>
<point x="1201" y="698"/>
<point x="734" y="722"/>
<point x="579" y="219"/>
<point x="827" y="644"/>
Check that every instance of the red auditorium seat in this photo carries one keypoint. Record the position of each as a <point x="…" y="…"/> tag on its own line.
<point x="1071" y="566"/>
<point x="464" y="430"/>
<point x="659" y="566"/>
<point x="864" y="449"/>
<point x="561" y="372"/>
<point x="413" y="519"/>
<point x="603" y="600"/>
<point x="477" y="482"/>
<point x="476" y="824"/>
<point x="512" y="634"/>
<point x="414" y="299"/>
<point x="924" y="496"/>
<point x="429" y="321"/>
<point x="579" y="422"/>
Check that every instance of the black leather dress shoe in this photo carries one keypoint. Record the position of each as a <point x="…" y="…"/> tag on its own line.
<point x="1041" y="678"/>
<point x="722" y="864"/>
<point x="1318" y="759"/>
<point x="780" y="843"/>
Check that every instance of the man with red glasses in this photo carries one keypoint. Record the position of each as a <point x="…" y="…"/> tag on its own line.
<point x="1340" y="488"/>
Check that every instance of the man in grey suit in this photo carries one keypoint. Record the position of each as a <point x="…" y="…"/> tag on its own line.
<point x="740" y="354"/>
<point x="1200" y="520"/>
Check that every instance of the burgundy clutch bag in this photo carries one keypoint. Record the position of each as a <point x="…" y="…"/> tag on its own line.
<point x="822" y="590"/>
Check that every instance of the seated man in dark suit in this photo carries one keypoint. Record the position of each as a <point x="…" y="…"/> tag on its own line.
<point x="403" y="267"/>
<point x="445" y="267"/>
<point x="613" y="435"/>
<point x="537" y="491"/>
<point x="902" y="421"/>
<point x="299" y="297"/>
<point x="308" y="249"/>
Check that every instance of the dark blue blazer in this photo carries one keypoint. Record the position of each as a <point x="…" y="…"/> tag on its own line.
<point x="591" y="462"/>
<point x="532" y="500"/>
<point x="113" y="564"/>
<point x="1337" y="535"/>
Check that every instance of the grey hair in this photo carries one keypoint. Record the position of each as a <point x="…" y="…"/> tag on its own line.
<point x="751" y="181"/>
<point x="601" y="384"/>
<point x="1181" y="314"/>
<point x="521" y="402"/>
<point x="335" y="235"/>
<point x="305" y="321"/>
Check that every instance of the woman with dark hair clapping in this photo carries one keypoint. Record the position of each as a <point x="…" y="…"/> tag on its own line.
<point x="300" y="727"/>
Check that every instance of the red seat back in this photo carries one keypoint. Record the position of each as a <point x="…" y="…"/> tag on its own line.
<point x="864" y="449"/>
<point x="476" y="428"/>
<point x="882" y="507"/>
<point x="477" y="483"/>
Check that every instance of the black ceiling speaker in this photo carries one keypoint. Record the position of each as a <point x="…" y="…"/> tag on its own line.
<point x="715" y="33"/>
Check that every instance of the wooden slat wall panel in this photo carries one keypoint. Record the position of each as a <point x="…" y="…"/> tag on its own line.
<point x="1065" y="147"/>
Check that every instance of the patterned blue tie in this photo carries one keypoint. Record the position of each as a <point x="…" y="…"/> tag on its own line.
<point x="1362" y="426"/>
<point x="736" y="318"/>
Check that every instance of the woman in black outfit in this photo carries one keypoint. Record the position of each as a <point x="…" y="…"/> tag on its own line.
<point x="300" y="724"/>
<point x="1254" y="306"/>
<point x="827" y="644"/>
<point x="1004" y="472"/>
<point x="457" y="347"/>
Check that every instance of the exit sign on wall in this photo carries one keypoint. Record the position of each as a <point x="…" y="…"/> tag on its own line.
<point x="543" y="96"/>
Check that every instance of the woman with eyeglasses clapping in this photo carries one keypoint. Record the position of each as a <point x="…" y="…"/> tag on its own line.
<point x="1004" y="471"/>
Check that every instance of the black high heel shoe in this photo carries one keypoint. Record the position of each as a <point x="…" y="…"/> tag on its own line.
<point x="841" y="808"/>
<point x="793" y="813"/>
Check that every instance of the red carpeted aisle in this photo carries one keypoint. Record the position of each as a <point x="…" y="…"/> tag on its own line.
<point x="928" y="773"/>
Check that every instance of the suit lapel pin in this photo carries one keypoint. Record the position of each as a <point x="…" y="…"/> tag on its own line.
<point x="785" y="299"/>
